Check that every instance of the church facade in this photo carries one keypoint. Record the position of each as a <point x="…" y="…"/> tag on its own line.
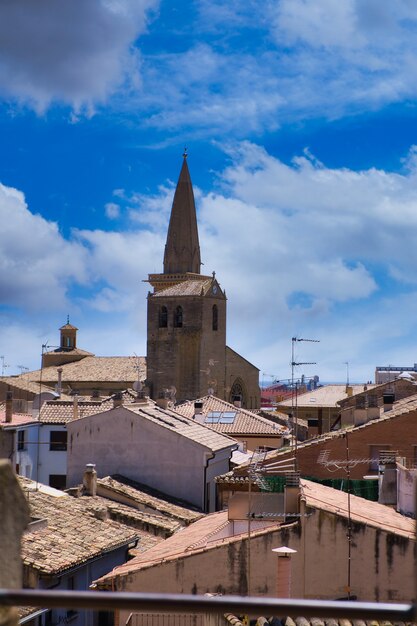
<point x="187" y="355"/>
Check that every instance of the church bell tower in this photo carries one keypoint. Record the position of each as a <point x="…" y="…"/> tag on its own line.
<point x="186" y="328"/>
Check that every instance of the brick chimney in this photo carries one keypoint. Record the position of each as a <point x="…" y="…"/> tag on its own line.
<point x="59" y="383"/>
<point x="284" y="571"/>
<point x="9" y="406"/>
<point x="75" y="408"/>
<point x="90" y="480"/>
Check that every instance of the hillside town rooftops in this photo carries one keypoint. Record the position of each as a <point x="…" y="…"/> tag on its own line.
<point x="227" y="418"/>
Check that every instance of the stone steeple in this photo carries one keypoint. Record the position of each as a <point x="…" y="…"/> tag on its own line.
<point x="182" y="249"/>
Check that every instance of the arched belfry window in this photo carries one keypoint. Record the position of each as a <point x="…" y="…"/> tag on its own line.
<point x="163" y="317"/>
<point x="178" y="317"/>
<point x="215" y="317"/>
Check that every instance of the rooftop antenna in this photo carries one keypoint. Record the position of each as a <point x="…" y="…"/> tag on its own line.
<point x="294" y="364"/>
<point x="4" y="365"/>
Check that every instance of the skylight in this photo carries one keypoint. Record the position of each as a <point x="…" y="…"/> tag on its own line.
<point x="220" y="417"/>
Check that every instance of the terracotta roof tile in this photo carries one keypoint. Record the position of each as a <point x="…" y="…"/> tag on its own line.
<point x="62" y="411"/>
<point x="245" y="422"/>
<point x="119" y="486"/>
<point x="186" y="288"/>
<point x="329" y="395"/>
<point x="183" y="426"/>
<point x="361" y="510"/>
<point x="94" y="368"/>
<point x="18" y="419"/>
<point x="74" y="532"/>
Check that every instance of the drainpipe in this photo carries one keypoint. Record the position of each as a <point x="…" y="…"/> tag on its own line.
<point x="209" y="457"/>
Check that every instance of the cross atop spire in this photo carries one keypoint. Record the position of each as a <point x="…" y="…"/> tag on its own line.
<point x="182" y="249"/>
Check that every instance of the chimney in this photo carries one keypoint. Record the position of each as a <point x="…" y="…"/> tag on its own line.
<point x="292" y="494"/>
<point x="198" y="412"/>
<point x="284" y="571"/>
<point x="90" y="480"/>
<point x="75" y="408"/>
<point x="388" y="400"/>
<point x="9" y="406"/>
<point x="349" y="391"/>
<point x="387" y="478"/>
<point x="237" y="401"/>
<point x="117" y="399"/>
<point x="59" y="383"/>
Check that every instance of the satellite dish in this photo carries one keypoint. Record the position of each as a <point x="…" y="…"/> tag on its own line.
<point x="137" y="385"/>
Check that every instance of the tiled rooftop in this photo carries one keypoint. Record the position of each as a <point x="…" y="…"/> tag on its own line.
<point x="361" y="510"/>
<point x="115" y="486"/>
<point x="329" y="395"/>
<point x="186" y="288"/>
<point x="182" y="425"/>
<point x="62" y="411"/>
<point x="74" y="533"/>
<point x="245" y="422"/>
<point x="18" y="419"/>
<point x="24" y="384"/>
<point x="201" y="535"/>
<point x="92" y="369"/>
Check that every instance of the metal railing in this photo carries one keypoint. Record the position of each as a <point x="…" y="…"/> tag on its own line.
<point x="186" y="603"/>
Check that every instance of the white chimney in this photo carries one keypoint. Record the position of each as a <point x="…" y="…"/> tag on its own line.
<point x="284" y="571"/>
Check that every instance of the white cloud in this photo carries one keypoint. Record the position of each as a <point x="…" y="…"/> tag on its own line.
<point x="75" y="52"/>
<point x="301" y="249"/>
<point x="37" y="265"/>
<point x="112" y="210"/>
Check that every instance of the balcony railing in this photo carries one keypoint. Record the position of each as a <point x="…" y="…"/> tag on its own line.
<point x="183" y="603"/>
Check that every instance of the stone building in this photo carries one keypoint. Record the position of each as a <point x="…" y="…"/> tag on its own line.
<point x="187" y="356"/>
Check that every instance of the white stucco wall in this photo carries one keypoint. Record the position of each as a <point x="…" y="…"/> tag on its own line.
<point x="121" y="442"/>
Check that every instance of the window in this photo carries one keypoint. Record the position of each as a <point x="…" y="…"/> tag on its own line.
<point x="163" y="317"/>
<point x="58" y="481"/>
<point x="58" y="440"/>
<point x="178" y="317"/>
<point x="375" y="451"/>
<point x="21" y="440"/>
<point x="215" y="317"/>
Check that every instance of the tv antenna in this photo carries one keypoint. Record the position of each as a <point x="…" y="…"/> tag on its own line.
<point x="294" y="389"/>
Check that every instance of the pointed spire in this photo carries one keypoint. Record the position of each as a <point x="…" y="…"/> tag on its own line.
<point x="182" y="249"/>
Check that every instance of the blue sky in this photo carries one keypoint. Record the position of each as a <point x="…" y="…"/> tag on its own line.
<point x="301" y="125"/>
